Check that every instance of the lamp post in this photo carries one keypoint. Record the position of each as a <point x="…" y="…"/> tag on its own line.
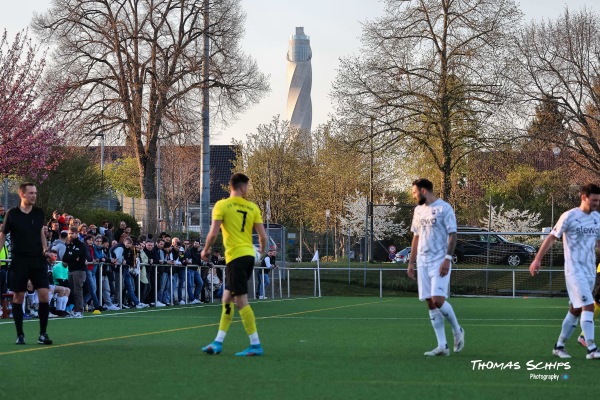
<point x="327" y="214"/>
<point x="371" y="195"/>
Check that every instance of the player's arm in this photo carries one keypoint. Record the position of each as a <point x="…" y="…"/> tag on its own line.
<point x="445" y="267"/>
<point x="262" y="236"/>
<point x="536" y="264"/>
<point x="44" y="241"/>
<point x="210" y="238"/>
<point x="413" y="257"/>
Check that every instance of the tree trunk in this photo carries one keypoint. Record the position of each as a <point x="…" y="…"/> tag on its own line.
<point x="148" y="184"/>
<point x="447" y="180"/>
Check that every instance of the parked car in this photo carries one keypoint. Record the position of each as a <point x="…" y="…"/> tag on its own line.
<point x="476" y="245"/>
<point x="403" y="255"/>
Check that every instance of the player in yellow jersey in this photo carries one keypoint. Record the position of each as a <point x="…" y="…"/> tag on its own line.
<point x="581" y="339"/>
<point x="236" y="217"/>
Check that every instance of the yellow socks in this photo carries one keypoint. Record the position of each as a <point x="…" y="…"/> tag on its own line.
<point x="227" y="317"/>
<point x="248" y="320"/>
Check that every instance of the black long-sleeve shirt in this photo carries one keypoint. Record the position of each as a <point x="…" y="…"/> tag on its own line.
<point x="76" y="255"/>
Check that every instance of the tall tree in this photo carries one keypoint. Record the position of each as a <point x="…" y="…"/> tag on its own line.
<point x="73" y="186"/>
<point x="122" y="176"/>
<point x="29" y="127"/>
<point x="384" y="223"/>
<point x="430" y="75"/>
<point x="301" y="186"/>
<point x="547" y="123"/>
<point x="179" y="180"/>
<point x="134" y="69"/>
<point x="269" y="157"/>
<point x="560" y="65"/>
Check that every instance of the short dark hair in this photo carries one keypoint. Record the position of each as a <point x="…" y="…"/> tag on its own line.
<point x="423" y="183"/>
<point x="23" y="186"/>
<point x="63" y="234"/>
<point x="590" y="188"/>
<point x="238" y="180"/>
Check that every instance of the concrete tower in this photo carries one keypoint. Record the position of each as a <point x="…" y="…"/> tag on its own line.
<point x="299" y="79"/>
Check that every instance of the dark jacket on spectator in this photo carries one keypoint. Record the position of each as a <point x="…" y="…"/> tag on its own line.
<point x="194" y="254"/>
<point x="76" y="255"/>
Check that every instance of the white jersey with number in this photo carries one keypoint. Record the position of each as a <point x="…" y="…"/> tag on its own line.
<point x="579" y="232"/>
<point x="432" y="224"/>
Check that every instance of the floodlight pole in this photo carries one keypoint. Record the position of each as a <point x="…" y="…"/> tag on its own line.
<point x="205" y="137"/>
<point x="371" y="196"/>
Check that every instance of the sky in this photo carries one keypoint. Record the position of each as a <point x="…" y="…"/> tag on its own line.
<point x="334" y="27"/>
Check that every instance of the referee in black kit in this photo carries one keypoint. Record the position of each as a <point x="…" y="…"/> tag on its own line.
<point x="28" y="243"/>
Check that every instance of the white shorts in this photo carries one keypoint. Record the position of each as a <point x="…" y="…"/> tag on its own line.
<point x="580" y="290"/>
<point x="430" y="282"/>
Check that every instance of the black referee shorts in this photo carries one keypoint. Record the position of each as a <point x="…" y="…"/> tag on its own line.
<point x="237" y="273"/>
<point x="24" y="268"/>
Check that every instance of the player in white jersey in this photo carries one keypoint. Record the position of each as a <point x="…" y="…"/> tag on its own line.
<point x="434" y="229"/>
<point x="580" y="231"/>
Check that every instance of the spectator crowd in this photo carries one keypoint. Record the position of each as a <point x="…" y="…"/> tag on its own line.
<point x="99" y="268"/>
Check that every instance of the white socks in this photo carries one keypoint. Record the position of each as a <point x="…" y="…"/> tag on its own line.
<point x="448" y="313"/>
<point x="437" y="321"/>
<point x="61" y="303"/>
<point x="254" y="338"/>
<point x="587" y="325"/>
<point x="568" y="327"/>
<point x="220" y="336"/>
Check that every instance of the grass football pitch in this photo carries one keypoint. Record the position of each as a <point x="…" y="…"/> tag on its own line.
<point x="327" y="348"/>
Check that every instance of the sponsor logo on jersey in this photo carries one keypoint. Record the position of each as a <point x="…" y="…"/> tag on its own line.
<point x="587" y="231"/>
